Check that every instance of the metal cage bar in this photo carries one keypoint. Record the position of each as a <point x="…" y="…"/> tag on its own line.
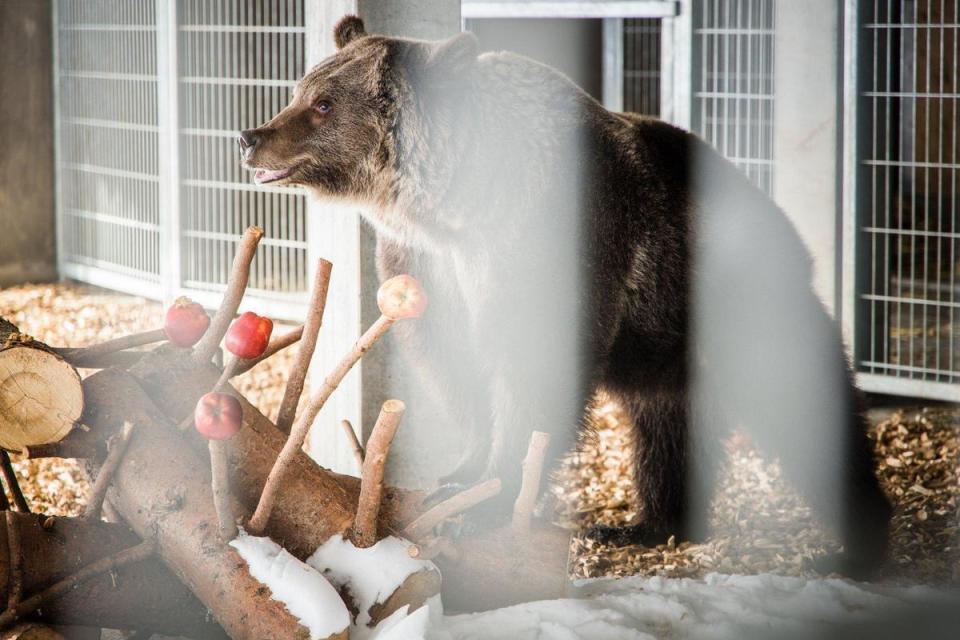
<point x="902" y="180"/>
<point x="151" y="195"/>
<point x="733" y="92"/>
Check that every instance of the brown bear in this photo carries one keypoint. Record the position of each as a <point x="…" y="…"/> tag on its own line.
<point x="570" y="251"/>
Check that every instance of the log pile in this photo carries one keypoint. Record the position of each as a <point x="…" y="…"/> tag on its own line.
<point x="168" y="562"/>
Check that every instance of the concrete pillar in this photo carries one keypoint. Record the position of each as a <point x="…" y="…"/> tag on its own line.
<point x="28" y="238"/>
<point x="338" y="234"/>
<point x="807" y="108"/>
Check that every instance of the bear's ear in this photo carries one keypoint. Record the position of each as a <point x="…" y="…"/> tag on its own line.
<point x="348" y="29"/>
<point x="452" y="58"/>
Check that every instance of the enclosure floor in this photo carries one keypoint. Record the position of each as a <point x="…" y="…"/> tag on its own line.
<point x="760" y="523"/>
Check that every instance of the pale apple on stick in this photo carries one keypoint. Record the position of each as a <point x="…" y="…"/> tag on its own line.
<point x="399" y="297"/>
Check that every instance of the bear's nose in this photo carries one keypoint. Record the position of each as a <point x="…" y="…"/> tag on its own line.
<point x="247" y="140"/>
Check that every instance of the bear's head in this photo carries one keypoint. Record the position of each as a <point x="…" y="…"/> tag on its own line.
<point x="341" y="136"/>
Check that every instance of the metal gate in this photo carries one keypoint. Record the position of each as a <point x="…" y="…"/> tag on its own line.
<point x="902" y="182"/>
<point x="732" y="67"/>
<point x="151" y="198"/>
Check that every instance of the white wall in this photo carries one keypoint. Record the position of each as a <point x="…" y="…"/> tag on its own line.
<point x="337" y="234"/>
<point x="806" y="130"/>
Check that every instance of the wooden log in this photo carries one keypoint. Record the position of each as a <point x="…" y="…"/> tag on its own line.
<point x="496" y="569"/>
<point x="141" y="596"/>
<point x="40" y="395"/>
<point x="162" y="489"/>
<point x="315" y="503"/>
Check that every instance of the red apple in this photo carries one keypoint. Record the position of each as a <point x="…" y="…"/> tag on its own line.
<point x="185" y="322"/>
<point x="401" y="297"/>
<point x="218" y="416"/>
<point x="249" y="335"/>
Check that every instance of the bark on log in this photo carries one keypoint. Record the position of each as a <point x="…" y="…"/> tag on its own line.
<point x="162" y="489"/>
<point x="313" y="503"/>
<point x="498" y="569"/>
<point x="40" y="396"/>
<point x="144" y="595"/>
<point x="316" y="503"/>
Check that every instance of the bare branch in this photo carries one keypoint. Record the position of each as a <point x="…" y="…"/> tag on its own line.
<point x="116" y="448"/>
<point x="530" y="484"/>
<point x="236" y="286"/>
<point x="10" y="475"/>
<point x="311" y="328"/>
<point x="430" y="549"/>
<point x="220" y="478"/>
<point x="276" y="344"/>
<point x="134" y="554"/>
<point x="450" y="507"/>
<point x="354" y="442"/>
<point x="300" y="430"/>
<point x="14" y="560"/>
<point x="371" y="477"/>
<point x="83" y="356"/>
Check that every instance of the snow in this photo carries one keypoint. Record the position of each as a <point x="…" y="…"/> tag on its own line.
<point x="717" y="607"/>
<point x="372" y="574"/>
<point x="302" y="589"/>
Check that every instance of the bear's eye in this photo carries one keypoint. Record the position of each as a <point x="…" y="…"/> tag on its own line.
<point x="322" y="107"/>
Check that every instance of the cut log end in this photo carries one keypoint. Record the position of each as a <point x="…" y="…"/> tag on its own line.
<point x="40" y="396"/>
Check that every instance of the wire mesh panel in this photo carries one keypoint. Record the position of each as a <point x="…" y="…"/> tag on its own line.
<point x="641" y="65"/>
<point x="107" y="157"/>
<point x="733" y="82"/>
<point x="908" y="177"/>
<point x="150" y="97"/>
<point x="238" y="63"/>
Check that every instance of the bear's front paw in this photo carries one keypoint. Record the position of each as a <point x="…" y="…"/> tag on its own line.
<point x="851" y="565"/>
<point x="625" y="535"/>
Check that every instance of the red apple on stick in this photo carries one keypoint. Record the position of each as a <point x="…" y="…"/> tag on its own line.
<point x="185" y="322"/>
<point x="249" y="335"/>
<point x="218" y="416"/>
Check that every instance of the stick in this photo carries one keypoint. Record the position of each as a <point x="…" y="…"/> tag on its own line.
<point x="354" y="442"/>
<point x="219" y="471"/>
<point x="530" y="484"/>
<point x="12" y="484"/>
<point x="301" y="428"/>
<point x="434" y="547"/>
<point x="4" y="502"/>
<point x="116" y="448"/>
<point x="82" y="355"/>
<point x="276" y="344"/>
<point x="311" y="328"/>
<point x="371" y="477"/>
<point x="134" y="554"/>
<point x="236" y="286"/>
<point x="66" y="448"/>
<point x="228" y="372"/>
<point x="450" y="507"/>
<point x="14" y="561"/>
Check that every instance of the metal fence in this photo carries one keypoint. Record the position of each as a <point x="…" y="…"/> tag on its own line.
<point x="151" y="195"/>
<point x="642" y="68"/>
<point x="732" y="59"/>
<point x="906" y="182"/>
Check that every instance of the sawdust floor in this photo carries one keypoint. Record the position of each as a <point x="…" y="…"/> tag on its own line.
<point x="760" y="524"/>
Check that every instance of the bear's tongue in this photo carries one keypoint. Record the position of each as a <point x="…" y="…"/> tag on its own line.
<point x="266" y="175"/>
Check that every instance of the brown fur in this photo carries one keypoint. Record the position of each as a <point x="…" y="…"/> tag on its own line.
<point x="558" y="242"/>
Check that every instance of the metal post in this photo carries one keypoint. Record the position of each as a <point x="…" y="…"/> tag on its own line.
<point x="168" y="139"/>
